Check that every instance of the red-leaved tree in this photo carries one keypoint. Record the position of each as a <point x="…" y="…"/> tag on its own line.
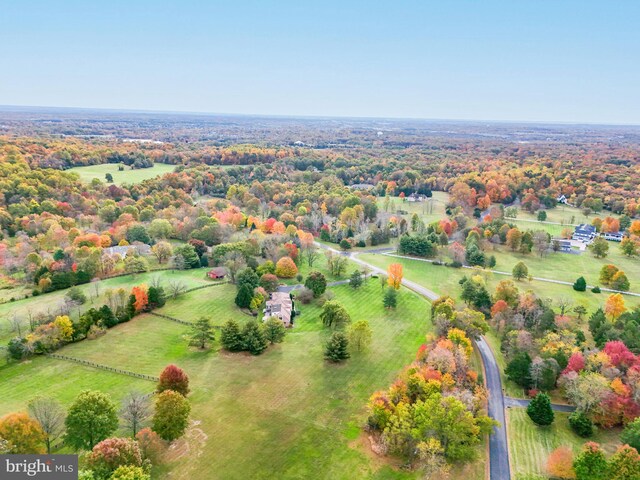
<point x="174" y="378"/>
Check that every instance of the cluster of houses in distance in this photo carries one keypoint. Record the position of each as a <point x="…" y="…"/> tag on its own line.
<point x="583" y="235"/>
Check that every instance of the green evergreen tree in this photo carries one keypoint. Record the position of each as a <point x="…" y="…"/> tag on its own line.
<point x="390" y="299"/>
<point x="274" y="330"/>
<point x="231" y="337"/>
<point x="580" y="285"/>
<point x="337" y="348"/>
<point x="518" y="369"/>
<point x="156" y="298"/>
<point x="189" y="255"/>
<point x="247" y="277"/>
<point x="356" y="279"/>
<point x="540" y="411"/>
<point x="583" y="426"/>
<point x="255" y="340"/>
<point x="107" y="317"/>
<point x="244" y="297"/>
<point x="202" y="333"/>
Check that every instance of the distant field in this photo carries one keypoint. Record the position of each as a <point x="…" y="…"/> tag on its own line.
<point x="530" y="445"/>
<point x="50" y="302"/>
<point x="430" y="210"/>
<point x="294" y="414"/>
<point x="568" y="267"/>
<point x="525" y="224"/>
<point x="565" y="214"/>
<point x="137" y="175"/>
<point x="444" y="280"/>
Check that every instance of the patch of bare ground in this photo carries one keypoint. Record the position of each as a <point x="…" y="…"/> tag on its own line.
<point x="190" y="444"/>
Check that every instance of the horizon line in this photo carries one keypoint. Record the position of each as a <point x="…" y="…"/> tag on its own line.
<point x="4" y="107"/>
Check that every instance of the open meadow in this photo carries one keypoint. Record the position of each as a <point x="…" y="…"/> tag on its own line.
<point x="430" y="210"/>
<point x="51" y="303"/>
<point x="530" y="445"/>
<point x="128" y="175"/>
<point x="298" y="415"/>
<point x="444" y="280"/>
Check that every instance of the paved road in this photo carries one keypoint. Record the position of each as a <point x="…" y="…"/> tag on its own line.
<point x="498" y="446"/>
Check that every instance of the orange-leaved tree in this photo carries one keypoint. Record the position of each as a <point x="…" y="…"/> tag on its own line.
<point x="560" y="463"/>
<point x="142" y="298"/>
<point x="23" y="433"/>
<point x="614" y="307"/>
<point x="394" y="275"/>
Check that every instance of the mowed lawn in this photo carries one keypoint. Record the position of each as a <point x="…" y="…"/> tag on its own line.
<point x="566" y="215"/>
<point x="530" y="445"/>
<point x="60" y="379"/>
<point x="567" y="267"/>
<point x="534" y="225"/>
<point x="51" y="303"/>
<point x="430" y="210"/>
<point x="216" y="303"/>
<point x="444" y="280"/>
<point x="284" y="414"/>
<point x="128" y="175"/>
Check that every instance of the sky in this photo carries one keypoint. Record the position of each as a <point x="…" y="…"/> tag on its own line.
<point x="514" y="60"/>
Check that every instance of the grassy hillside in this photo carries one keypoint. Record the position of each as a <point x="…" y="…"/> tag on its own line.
<point x="530" y="445"/>
<point x="286" y="413"/>
<point x="50" y="303"/>
<point x="128" y="175"/>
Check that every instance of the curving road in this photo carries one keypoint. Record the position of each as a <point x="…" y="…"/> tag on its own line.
<point x="498" y="446"/>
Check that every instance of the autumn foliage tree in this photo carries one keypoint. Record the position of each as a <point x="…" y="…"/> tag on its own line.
<point x="171" y="416"/>
<point x="152" y="447"/>
<point x="173" y="378"/>
<point x="112" y="453"/>
<point x="141" y="297"/>
<point x="560" y="463"/>
<point x="591" y="463"/>
<point x="614" y="306"/>
<point x="23" y="434"/>
<point x="286" y="268"/>
<point x="394" y="275"/>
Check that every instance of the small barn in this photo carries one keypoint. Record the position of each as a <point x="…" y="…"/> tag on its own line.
<point x="217" y="273"/>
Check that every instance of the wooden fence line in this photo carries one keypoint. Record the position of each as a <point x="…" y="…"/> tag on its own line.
<point x="104" y="367"/>
<point x="177" y="320"/>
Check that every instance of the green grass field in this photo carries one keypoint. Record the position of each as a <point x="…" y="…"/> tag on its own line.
<point x="216" y="303"/>
<point x="128" y="175"/>
<point x="50" y="303"/>
<point x="565" y="214"/>
<point x="59" y="379"/>
<point x="284" y="414"/>
<point x="568" y="267"/>
<point x="444" y="280"/>
<point x="429" y="210"/>
<point x="530" y="445"/>
<point x="554" y="230"/>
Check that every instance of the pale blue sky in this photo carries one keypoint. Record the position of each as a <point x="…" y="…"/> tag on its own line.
<point x="547" y="60"/>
